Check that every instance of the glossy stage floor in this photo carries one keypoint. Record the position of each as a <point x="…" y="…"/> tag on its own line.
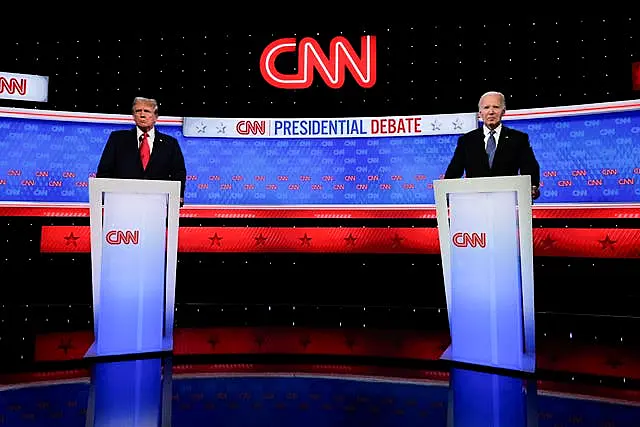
<point x="161" y="392"/>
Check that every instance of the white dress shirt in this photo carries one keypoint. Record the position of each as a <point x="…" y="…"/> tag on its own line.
<point x="495" y="135"/>
<point x="151" y="137"/>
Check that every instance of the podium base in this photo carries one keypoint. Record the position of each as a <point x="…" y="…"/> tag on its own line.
<point x="166" y="349"/>
<point x="528" y="363"/>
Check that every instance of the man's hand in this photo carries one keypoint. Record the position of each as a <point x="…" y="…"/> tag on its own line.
<point x="535" y="192"/>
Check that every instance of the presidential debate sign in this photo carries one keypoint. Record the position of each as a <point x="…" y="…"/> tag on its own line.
<point x="587" y="153"/>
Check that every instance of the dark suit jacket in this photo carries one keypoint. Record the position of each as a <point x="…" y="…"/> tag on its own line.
<point x="121" y="159"/>
<point x="513" y="155"/>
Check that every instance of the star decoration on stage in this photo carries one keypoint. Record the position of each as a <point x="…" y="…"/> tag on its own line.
<point x="201" y="128"/>
<point x="350" y="240"/>
<point x="607" y="243"/>
<point x="259" y="340"/>
<point x="65" y="345"/>
<point x="215" y="240"/>
<point x="396" y="241"/>
<point x="305" y="341"/>
<point x="457" y="124"/>
<point x="213" y="341"/>
<point x="305" y="240"/>
<point x="547" y="242"/>
<point x="614" y="362"/>
<point x="435" y="125"/>
<point x="71" y="239"/>
<point x="221" y="128"/>
<point x="397" y="341"/>
<point x="260" y="240"/>
<point x="350" y="341"/>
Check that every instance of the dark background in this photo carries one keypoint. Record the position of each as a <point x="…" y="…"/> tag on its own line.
<point x="430" y="68"/>
<point x="433" y="67"/>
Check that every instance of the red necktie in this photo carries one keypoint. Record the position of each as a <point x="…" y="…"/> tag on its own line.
<point x="145" y="152"/>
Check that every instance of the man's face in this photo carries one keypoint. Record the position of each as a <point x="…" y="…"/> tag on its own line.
<point x="144" y="115"/>
<point x="491" y="110"/>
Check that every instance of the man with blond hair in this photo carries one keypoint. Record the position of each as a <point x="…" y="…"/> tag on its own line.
<point x="494" y="149"/>
<point x="143" y="152"/>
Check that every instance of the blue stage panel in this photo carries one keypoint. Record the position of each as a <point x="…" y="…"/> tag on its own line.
<point x="588" y="158"/>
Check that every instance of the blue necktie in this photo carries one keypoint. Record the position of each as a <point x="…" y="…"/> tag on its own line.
<point x="491" y="147"/>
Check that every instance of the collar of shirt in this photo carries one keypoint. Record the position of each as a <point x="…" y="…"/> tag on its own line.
<point x="152" y="137"/>
<point x="486" y="131"/>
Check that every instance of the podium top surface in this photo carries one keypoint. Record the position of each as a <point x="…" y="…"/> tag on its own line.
<point x="116" y="185"/>
<point x="485" y="184"/>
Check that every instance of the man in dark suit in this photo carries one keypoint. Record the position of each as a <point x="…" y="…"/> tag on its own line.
<point x="494" y="149"/>
<point x="143" y="152"/>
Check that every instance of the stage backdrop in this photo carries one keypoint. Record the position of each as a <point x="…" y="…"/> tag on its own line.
<point x="587" y="153"/>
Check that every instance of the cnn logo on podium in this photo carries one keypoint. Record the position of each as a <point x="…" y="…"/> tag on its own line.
<point x="465" y="240"/>
<point x="120" y="237"/>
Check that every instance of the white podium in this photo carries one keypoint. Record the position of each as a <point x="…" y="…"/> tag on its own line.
<point x="134" y="245"/>
<point x="486" y="243"/>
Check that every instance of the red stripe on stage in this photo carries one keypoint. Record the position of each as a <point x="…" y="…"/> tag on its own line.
<point x="552" y="242"/>
<point x="554" y="355"/>
<point x="539" y="212"/>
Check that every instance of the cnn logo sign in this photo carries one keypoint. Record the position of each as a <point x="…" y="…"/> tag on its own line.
<point x="119" y="237"/>
<point x="342" y="56"/>
<point x="474" y="240"/>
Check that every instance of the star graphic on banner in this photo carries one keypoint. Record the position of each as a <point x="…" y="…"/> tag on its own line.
<point x="65" y="345"/>
<point x="259" y="340"/>
<point x="305" y="240"/>
<point x="351" y="241"/>
<point x="260" y="240"/>
<point x="213" y="341"/>
<point x="350" y="341"/>
<point x="201" y="127"/>
<point x="215" y="239"/>
<point x="305" y="341"/>
<point x="607" y="243"/>
<point x="547" y="242"/>
<point x="457" y="124"/>
<point x="397" y="341"/>
<point x="614" y="362"/>
<point x="396" y="241"/>
<point x="435" y="125"/>
<point x="71" y="239"/>
<point x="221" y="128"/>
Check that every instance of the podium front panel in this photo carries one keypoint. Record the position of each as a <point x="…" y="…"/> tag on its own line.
<point x="132" y="279"/>
<point x="128" y="393"/>
<point x="481" y="399"/>
<point x="486" y="286"/>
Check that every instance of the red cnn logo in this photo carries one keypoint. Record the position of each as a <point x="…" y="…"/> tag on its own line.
<point x="118" y="237"/>
<point x="12" y="86"/>
<point x="464" y="240"/>
<point x="310" y="57"/>
<point x="246" y="127"/>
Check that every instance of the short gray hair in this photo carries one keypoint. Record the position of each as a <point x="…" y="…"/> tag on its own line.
<point x="143" y="100"/>
<point x="502" y="99"/>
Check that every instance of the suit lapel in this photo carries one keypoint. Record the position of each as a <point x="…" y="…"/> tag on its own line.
<point x="481" y="149"/>
<point x="158" y="146"/>
<point x="135" y="147"/>
<point x="503" y="143"/>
